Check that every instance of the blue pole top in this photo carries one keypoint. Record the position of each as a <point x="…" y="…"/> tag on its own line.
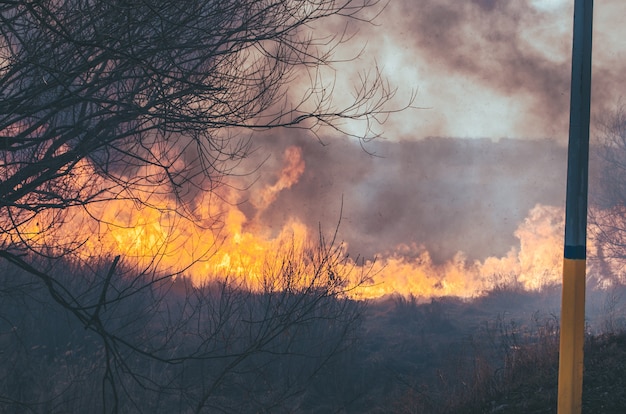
<point x="578" y="149"/>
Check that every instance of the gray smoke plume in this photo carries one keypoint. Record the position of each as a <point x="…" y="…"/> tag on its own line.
<point x="496" y="67"/>
<point x="446" y="194"/>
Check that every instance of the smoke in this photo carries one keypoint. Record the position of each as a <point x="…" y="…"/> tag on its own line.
<point x="443" y="194"/>
<point x="485" y="68"/>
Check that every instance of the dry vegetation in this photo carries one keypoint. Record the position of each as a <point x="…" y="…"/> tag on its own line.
<point x="495" y="354"/>
<point x="500" y="354"/>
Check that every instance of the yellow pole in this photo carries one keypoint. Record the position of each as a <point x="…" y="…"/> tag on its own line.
<point x="575" y="251"/>
<point x="572" y="337"/>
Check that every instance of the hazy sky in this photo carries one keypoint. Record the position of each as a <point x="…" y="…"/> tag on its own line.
<point x="462" y="173"/>
<point x="487" y="68"/>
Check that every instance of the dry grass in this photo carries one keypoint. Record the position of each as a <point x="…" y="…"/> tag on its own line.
<point x="530" y="384"/>
<point x="502" y="364"/>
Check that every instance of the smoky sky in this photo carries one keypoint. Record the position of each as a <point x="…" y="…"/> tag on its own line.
<point x="485" y="67"/>
<point x="445" y="194"/>
<point x="485" y="40"/>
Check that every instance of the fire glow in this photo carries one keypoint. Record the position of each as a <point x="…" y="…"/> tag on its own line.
<point x="158" y="236"/>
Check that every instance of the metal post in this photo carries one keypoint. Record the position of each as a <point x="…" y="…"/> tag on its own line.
<point x="575" y="252"/>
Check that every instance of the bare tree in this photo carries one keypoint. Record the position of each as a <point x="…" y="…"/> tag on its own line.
<point x="133" y="344"/>
<point x="607" y="216"/>
<point x="106" y="89"/>
<point x="106" y="100"/>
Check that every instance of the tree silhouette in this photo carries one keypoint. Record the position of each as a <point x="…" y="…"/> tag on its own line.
<point x="607" y="217"/>
<point x="104" y="100"/>
<point x="106" y="89"/>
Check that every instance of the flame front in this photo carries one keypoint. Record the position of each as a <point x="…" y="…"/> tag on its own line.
<point x="159" y="237"/>
<point x="537" y="263"/>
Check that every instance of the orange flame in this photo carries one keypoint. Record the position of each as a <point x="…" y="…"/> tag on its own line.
<point x="537" y="263"/>
<point x="289" y="175"/>
<point x="158" y="236"/>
